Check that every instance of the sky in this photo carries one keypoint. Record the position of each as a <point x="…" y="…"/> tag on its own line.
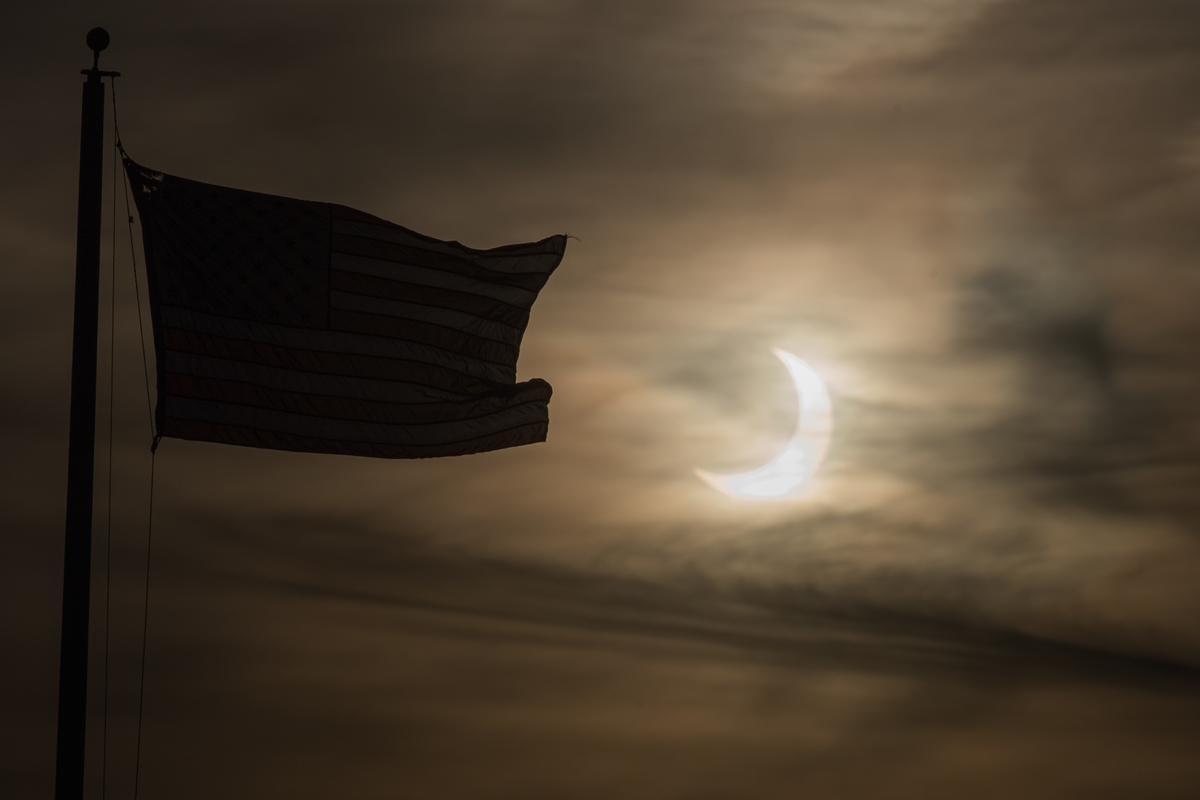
<point x="975" y="218"/>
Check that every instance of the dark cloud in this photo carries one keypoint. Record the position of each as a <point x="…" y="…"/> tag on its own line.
<point x="360" y="645"/>
<point x="1081" y="429"/>
<point x="1004" y="310"/>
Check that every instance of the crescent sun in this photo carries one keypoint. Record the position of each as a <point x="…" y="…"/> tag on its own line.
<point x="789" y="472"/>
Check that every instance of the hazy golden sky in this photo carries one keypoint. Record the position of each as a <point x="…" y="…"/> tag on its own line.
<point x="978" y="220"/>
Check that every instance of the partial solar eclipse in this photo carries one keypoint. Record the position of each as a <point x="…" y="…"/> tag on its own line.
<point x="789" y="472"/>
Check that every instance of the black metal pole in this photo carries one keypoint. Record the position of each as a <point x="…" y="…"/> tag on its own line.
<point x="77" y="555"/>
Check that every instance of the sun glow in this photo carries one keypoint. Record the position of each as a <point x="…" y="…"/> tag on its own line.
<point x="790" y="472"/>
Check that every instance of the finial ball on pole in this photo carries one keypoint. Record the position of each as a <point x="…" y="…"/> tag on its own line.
<point x="97" y="39"/>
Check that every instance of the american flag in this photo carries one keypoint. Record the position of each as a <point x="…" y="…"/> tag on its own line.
<point x="299" y="325"/>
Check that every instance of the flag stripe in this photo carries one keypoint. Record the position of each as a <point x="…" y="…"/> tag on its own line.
<point x="550" y="246"/>
<point x="400" y="271"/>
<point x="495" y="332"/>
<point x="536" y="260"/>
<point x="501" y="359"/>
<point x="294" y="379"/>
<point x="451" y="342"/>
<point x="281" y="440"/>
<point x="350" y="409"/>
<point x="352" y="430"/>
<point x="441" y="262"/>
<point x="486" y="308"/>
<point x="337" y="343"/>
<point x="320" y="362"/>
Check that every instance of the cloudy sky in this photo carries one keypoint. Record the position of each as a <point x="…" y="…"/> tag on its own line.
<point x="976" y="219"/>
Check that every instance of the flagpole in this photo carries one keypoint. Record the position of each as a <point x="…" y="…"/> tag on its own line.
<point x="77" y="552"/>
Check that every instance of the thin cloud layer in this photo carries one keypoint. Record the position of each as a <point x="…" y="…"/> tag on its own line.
<point x="975" y="219"/>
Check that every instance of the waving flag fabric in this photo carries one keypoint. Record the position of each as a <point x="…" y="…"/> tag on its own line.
<point x="310" y="326"/>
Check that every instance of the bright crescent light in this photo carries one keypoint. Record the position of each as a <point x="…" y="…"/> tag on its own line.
<point x="792" y="469"/>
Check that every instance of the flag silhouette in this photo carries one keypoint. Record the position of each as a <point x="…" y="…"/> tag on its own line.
<point x="299" y="325"/>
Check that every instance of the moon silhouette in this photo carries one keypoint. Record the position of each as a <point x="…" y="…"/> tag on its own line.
<point x="793" y="468"/>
